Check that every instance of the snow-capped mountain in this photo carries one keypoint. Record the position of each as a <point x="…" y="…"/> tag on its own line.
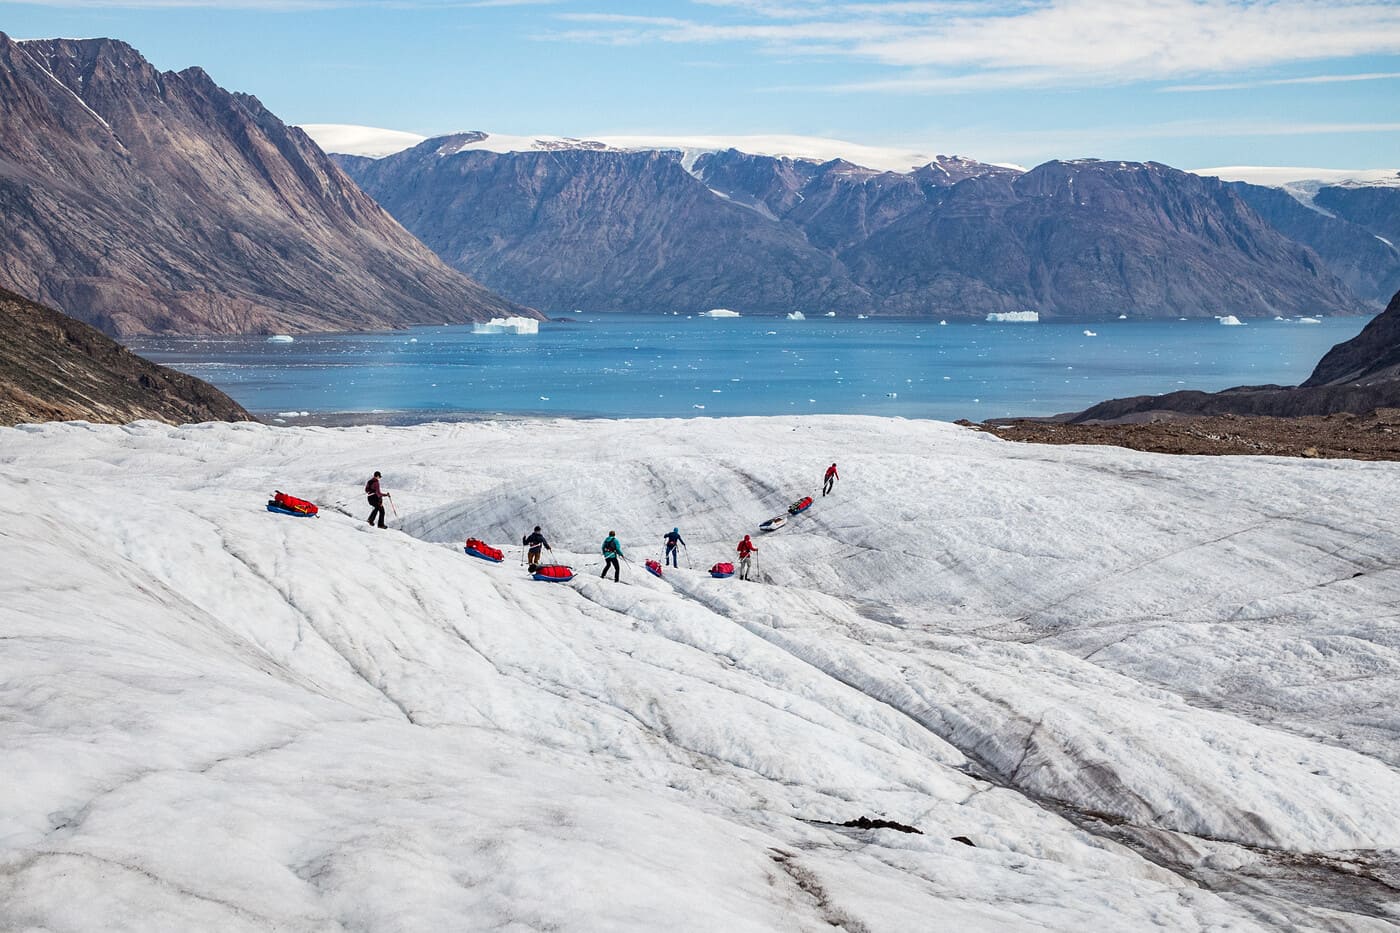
<point x="1110" y="690"/>
<point x="592" y="226"/>
<point x="375" y="142"/>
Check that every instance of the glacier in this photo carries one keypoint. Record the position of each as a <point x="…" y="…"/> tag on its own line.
<point x="1108" y="687"/>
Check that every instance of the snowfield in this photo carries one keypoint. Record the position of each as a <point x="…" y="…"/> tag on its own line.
<point x="1110" y="689"/>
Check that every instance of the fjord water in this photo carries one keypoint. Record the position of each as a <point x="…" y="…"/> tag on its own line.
<point x="617" y="365"/>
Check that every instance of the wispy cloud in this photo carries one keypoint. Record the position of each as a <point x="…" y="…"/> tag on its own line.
<point x="937" y="46"/>
<point x="1276" y="82"/>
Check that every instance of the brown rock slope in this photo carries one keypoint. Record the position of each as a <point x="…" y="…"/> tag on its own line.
<point x="144" y="201"/>
<point x="53" y="368"/>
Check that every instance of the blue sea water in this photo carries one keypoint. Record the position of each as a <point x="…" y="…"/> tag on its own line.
<point x="620" y="365"/>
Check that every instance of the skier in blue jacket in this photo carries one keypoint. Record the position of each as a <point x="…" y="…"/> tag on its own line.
<point x="673" y="539"/>
<point x="612" y="551"/>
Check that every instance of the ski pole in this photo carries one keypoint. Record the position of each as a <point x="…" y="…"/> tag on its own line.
<point x="391" y="504"/>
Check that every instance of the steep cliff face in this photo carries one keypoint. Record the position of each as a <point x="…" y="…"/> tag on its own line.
<point x="1376" y="208"/>
<point x="610" y="229"/>
<point x="1366" y="263"/>
<point x="53" y="368"/>
<point x="1371" y="356"/>
<point x="600" y="230"/>
<point x="146" y="201"/>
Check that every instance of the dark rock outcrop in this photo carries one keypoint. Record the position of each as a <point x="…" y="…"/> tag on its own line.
<point x="53" y="368"/>
<point x="144" y="201"/>
<point x="1372" y="356"/>
<point x="608" y="230"/>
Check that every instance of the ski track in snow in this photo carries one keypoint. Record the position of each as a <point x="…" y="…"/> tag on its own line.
<point x="1155" y="692"/>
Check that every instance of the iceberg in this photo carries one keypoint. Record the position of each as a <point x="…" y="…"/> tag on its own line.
<point x="508" y="325"/>
<point x="281" y="338"/>
<point x="796" y="316"/>
<point x="1309" y="320"/>
<point x="831" y="314"/>
<point x="1090" y="333"/>
<point x="719" y="312"/>
<point x="1014" y="317"/>
<point x="1229" y="320"/>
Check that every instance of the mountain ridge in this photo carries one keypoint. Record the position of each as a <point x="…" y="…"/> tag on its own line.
<point x="144" y="201"/>
<point x="645" y="231"/>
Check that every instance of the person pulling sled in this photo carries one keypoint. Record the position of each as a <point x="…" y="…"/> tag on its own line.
<point x="376" y="497"/>
<point x="831" y="477"/>
<point x="612" y="552"/>
<point x="746" y="551"/>
<point x="674" y="541"/>
<point x="534" y="541"/>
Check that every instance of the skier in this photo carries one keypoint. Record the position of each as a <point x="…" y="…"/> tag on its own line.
<point x="612" y="550"/>
<point x="376" y="499"/>
<point x="672" y="540"/>
<point x="831" y="478"/>
<point x="746" y="551"/>
<point x="534" y="541"/>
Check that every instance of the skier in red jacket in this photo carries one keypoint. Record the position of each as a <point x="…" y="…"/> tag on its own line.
<point x="746" y="550"/>
<point x="831" y="477"/>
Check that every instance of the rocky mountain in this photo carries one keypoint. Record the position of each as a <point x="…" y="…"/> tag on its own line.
<point x="53" y="368"/>
<point x="1349" y="236"/>
<point x="1371" y="356"/>
<point x="145" y="201"/>
<point x="602" y="230"/>
<point x="605" y="229"/>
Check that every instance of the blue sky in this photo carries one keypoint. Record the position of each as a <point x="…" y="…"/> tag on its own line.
<point x="1189" y="82"/>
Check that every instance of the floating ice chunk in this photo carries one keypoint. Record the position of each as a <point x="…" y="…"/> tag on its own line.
<point x="1229" y="320"/>
<point x="719" y="312"/>
<point x="796" y="316"/>
<point x="942" y="323"/>
<point x="861" y="317"/>
<point x="1013" y="317"/>
<point x="281" y="338"/>
<point x="1309" y="320"/>
<point x="701" y="407"/>
<point x="508" y="325"/>
<point x="1122" y="317"/>
<point x="831" y="314"/>
<point x="1090" y="333"/>
<point x="891" y="395"/>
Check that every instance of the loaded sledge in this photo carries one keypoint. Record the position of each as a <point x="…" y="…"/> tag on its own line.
<point x="552" y="573"/>
<point x="654" y="568"/>
<point x="722" y="570"/>
<point x="283" y="504"/>
<point x="478" y="548"/>
<point x="800" y="506"/>
<point x="773" y="524"/>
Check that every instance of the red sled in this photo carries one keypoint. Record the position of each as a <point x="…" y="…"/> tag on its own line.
<point x="554" y="573"/>
<point x="720" y="571"/>
<point x="479" y="548"/>
<point x="654" y="568"/>
<point x="284" y="504"/>
<point x="801" y="505"/>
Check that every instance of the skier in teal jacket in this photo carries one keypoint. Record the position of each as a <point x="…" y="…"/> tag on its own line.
<point x="612" y="552"/>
